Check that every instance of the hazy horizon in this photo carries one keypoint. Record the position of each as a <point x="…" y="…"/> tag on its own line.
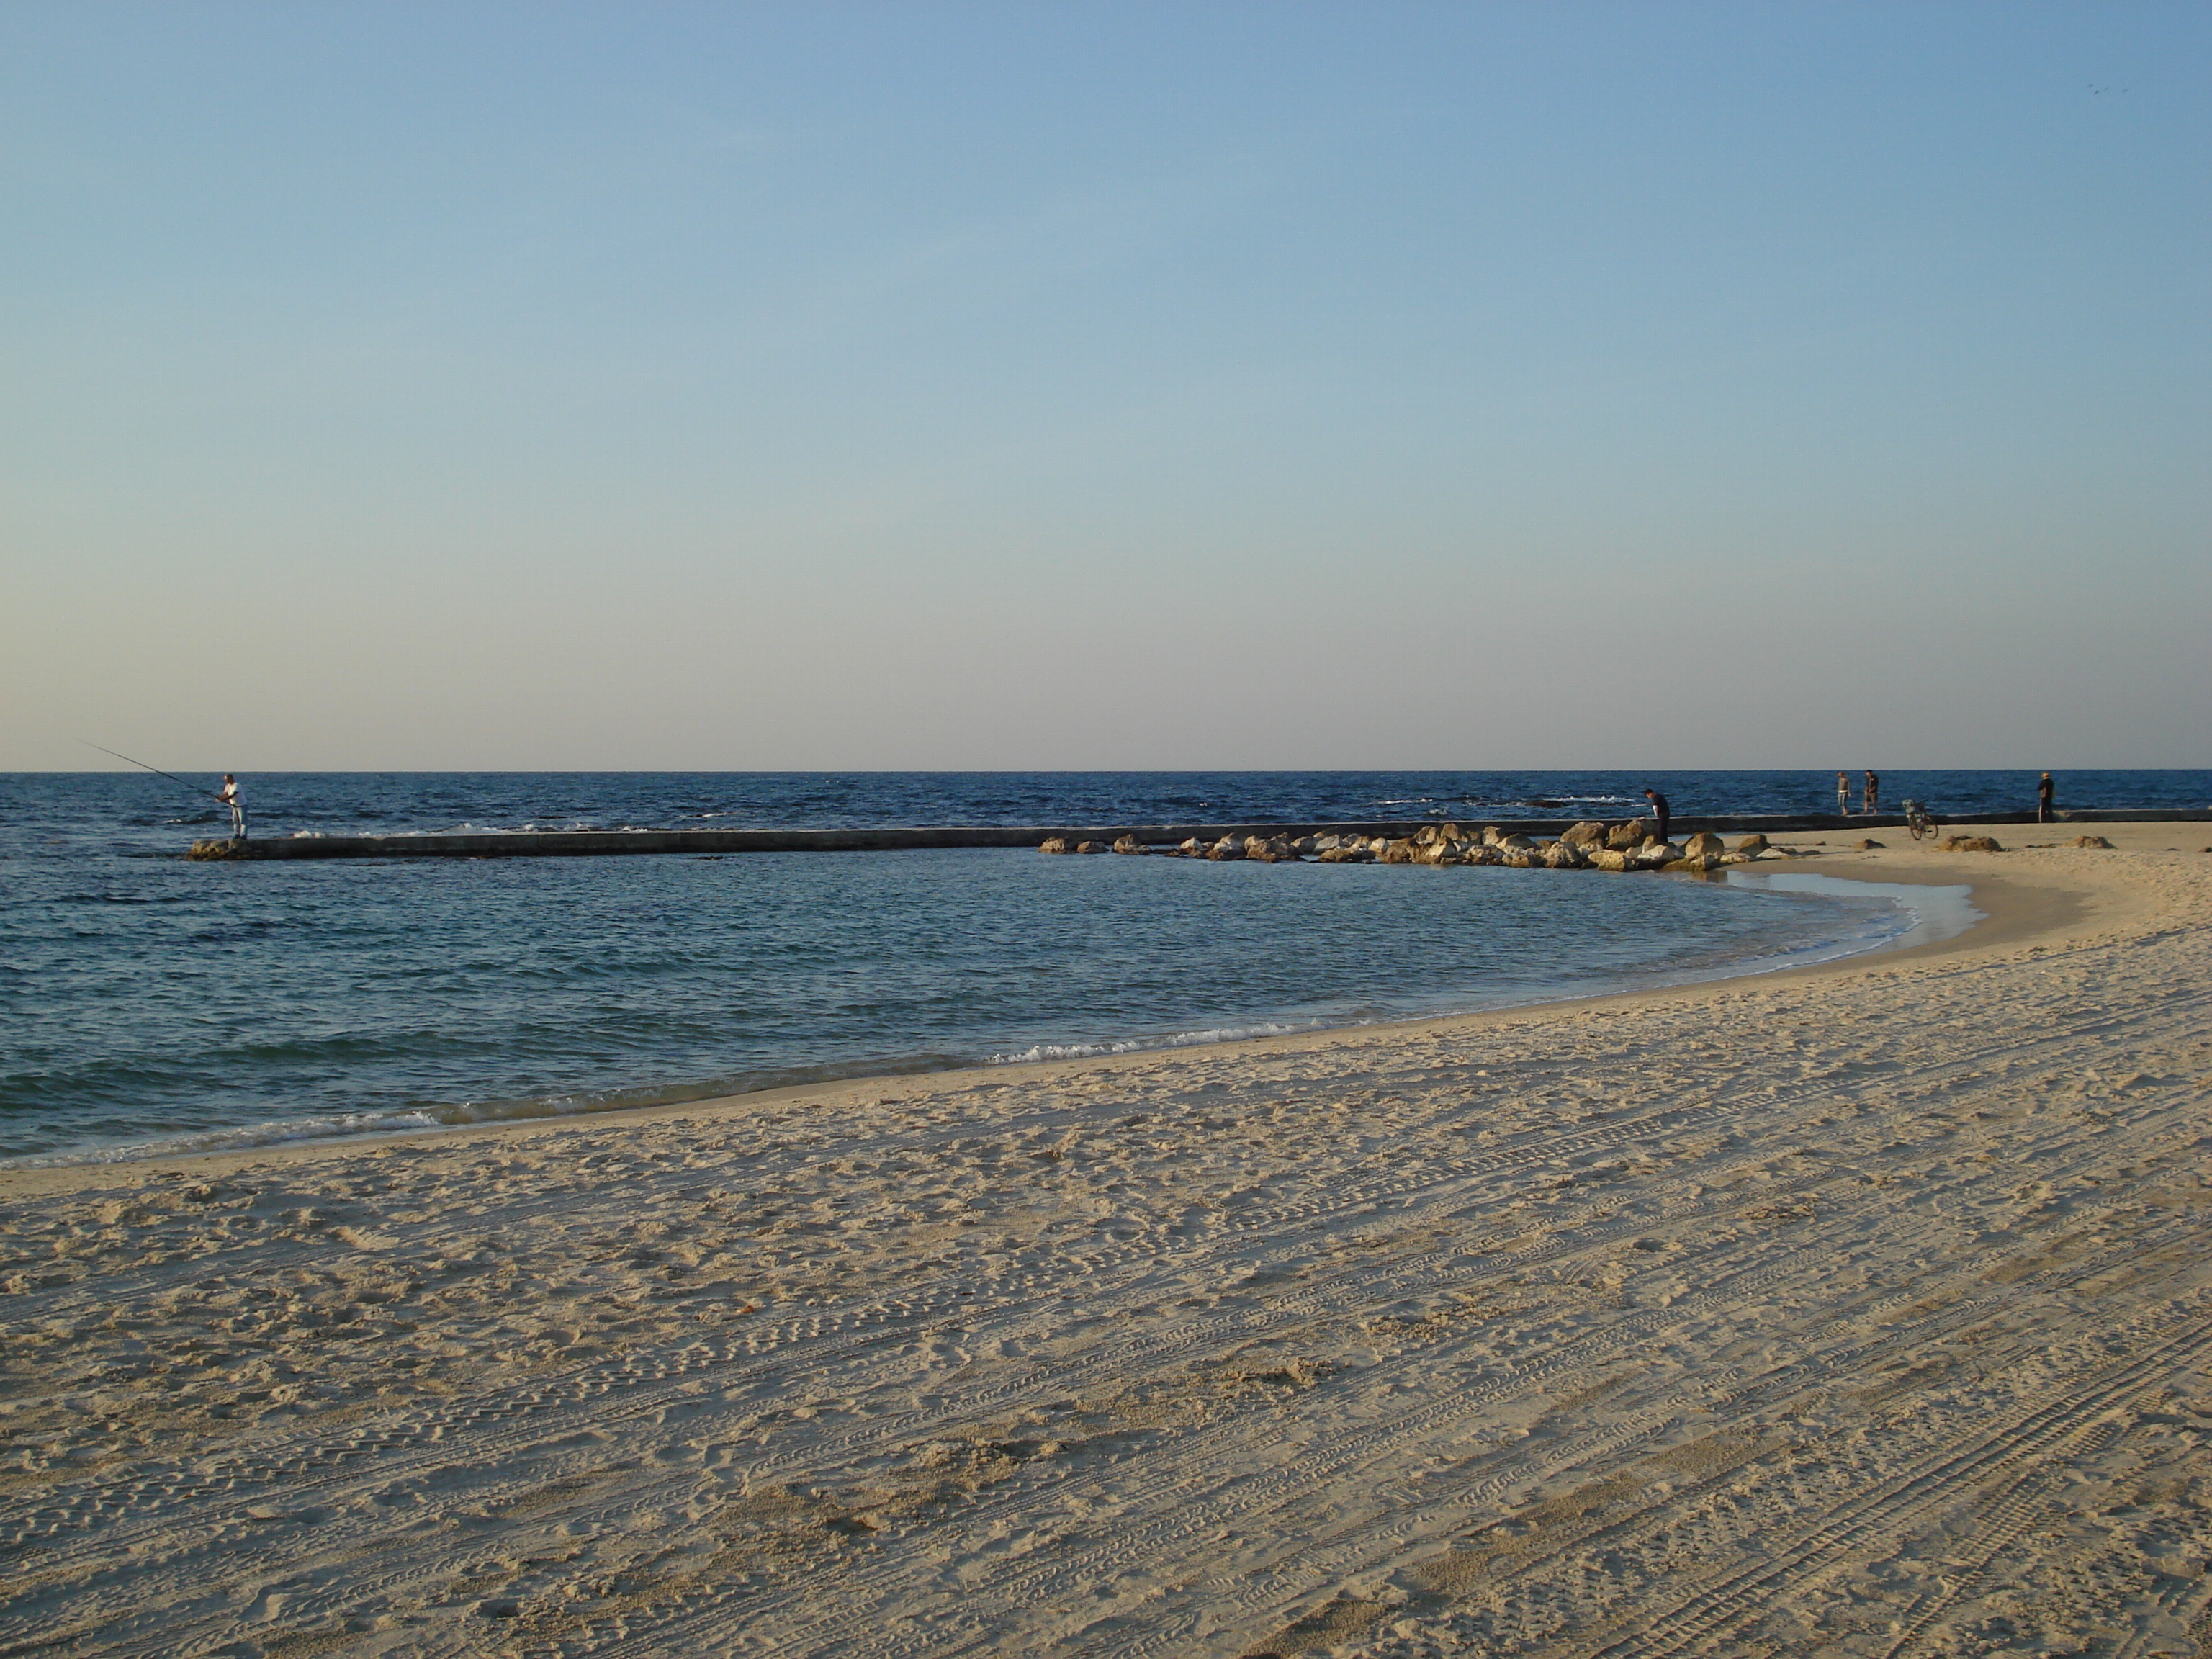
<point x="1191" y="387"/>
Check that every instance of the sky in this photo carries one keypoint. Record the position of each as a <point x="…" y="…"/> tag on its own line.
<point x="851" y="386"/>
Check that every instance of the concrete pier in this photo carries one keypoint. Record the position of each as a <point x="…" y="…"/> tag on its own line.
<point x="584" y="844"/>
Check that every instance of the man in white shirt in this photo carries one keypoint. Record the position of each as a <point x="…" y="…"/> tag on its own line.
<point x="231" y="797"/>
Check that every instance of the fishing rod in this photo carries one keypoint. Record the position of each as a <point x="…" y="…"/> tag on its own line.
<point x="172" y="776"/>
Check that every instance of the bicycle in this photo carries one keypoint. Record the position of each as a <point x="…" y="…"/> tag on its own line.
<point x="1920" y="821"/>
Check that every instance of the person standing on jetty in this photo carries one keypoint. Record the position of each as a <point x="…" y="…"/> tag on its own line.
<point x="231" y="796"/>
<point x="1658" y="810"/>
<point x="2042" y="791"/>
<point x="1873" y="792"/>
<point x="1842" y="796"/>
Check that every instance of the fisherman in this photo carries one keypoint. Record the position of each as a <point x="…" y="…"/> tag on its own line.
<point x="2043" y="793"/>
<point x="231" y="797"/>
<point x="1658" y="810"/>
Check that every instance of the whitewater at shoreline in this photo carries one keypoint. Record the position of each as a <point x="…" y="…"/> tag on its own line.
<point x="1859" y="1308"/>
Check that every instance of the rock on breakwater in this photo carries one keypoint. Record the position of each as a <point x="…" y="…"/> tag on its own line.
<point x="1589" y="845"/>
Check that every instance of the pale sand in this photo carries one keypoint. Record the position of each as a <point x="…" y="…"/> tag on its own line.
<point x="1859" y="1310"/>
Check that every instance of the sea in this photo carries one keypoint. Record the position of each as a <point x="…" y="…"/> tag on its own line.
<point x="151" y="1006"/>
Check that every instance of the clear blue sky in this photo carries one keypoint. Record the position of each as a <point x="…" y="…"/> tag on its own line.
<point x="1105" y="384"/>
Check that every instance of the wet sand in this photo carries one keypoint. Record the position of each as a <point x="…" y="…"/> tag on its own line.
<point x="1858" y="1310"/>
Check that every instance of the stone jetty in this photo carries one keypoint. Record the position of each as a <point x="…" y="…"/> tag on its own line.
<point x="1105" y="838"/>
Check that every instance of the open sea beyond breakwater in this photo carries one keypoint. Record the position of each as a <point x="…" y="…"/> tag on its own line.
<point x="149" y="1004"/>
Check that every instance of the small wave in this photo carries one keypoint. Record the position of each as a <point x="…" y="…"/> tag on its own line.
<point x="460" y="1115"/>
<point x="99" y="897"/>
<point x="235" y="1138"/>
<point x="1139" y="1045"/>
<point x="470" y="827"/>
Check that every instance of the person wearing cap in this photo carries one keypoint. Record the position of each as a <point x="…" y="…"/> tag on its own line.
<point x="230" y="796"/>
<point x="2042" y="791"/>
<point x="1658" y="810"/>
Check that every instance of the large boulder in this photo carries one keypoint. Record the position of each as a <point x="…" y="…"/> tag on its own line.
<point x="1056" y="844"/>
<point x="1698" y="865"/>
<point x="1524" y="858"/>
<point x="1656" y="855"/>
<point x="1588" y="833"/>
<point x="1092" y="847"/>
<point x="1482" y="852"/>
<point x="1229" y="846"/>
<point x="1193" y="848"/>
<point x="1356" y="851"/>
<point x="1515" y="843"/>
<point x="1609" y="858"/>
<point x="2093" y="841"/>
<point x="1704" y="845"/>
<point x="1626" y="837"/>
<point x="1131" y="844"/>
<point x="1397" y="852"/>
<point x="1564" y="854"/>
<point x="1752" y="846"/>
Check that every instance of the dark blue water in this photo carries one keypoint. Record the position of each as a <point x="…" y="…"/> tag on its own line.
<point x="146" y="1001"/>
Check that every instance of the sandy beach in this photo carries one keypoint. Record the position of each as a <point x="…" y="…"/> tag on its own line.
<point x="1861" y="1309"/>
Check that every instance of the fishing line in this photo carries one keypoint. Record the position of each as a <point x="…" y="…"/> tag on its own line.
<point x="172" y="776"/>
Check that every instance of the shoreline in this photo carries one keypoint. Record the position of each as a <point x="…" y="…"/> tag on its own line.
<point x="1855" y="1306"/>
<point x="132" y="1155"/>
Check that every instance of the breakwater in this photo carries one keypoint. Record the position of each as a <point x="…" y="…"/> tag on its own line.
<point x="584" y="843"/>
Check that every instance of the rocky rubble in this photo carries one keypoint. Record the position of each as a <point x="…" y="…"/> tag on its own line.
<point x="1588" y="846"/>
<point x="1972" y="844"/>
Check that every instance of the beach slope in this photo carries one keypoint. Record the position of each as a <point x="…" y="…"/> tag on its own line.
<point x="1861" y="1309"/>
